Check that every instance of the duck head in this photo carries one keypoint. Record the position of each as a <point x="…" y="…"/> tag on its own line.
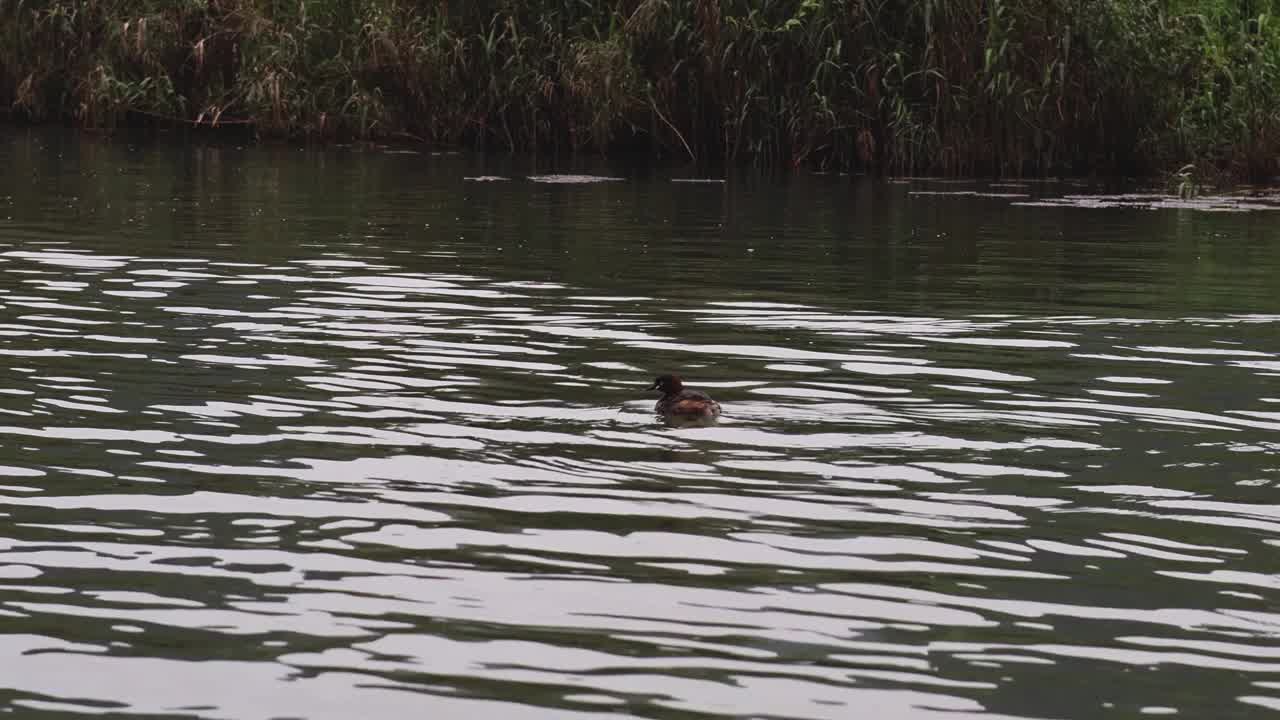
<point x="668" y="384"/>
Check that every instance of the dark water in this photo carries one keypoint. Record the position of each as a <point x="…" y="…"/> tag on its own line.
<point x="339" y="434"/>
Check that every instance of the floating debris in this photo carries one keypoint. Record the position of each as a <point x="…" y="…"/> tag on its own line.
<point x="1152" y="201"/>
<point x="970" y="193"/>
<point x="573" y="179"/>
<point x="707" y="181"/>
<point x="486" y="178"/>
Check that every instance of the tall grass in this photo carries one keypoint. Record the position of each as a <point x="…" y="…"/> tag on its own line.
<point x="905" y="86"/>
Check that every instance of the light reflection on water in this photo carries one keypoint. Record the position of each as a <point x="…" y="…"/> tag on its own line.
<point x="340" y="479"/>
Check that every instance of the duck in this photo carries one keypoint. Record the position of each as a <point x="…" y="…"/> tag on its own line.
<point x="681" y="406"/>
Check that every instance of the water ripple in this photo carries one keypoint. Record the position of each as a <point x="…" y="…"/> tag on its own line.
<point x="356" y="479"/>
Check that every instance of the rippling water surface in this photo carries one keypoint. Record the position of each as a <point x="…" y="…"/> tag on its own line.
<point x="343" y="434"/>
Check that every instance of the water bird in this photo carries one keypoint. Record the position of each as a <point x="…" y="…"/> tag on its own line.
<point x="681" y="406"/>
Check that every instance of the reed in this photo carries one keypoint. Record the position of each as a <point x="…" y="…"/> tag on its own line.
<point x="1008" y="87"/>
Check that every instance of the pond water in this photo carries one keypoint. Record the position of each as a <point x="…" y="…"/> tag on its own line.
<point x="339" y="433"/>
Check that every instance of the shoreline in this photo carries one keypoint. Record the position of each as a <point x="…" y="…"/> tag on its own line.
<point x="1018" y="89"/>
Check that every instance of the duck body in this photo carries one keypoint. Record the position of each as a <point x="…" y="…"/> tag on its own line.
<point x="682" y="406"/>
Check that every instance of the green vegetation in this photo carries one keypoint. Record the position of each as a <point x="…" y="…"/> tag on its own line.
<point x="941" y="86"/>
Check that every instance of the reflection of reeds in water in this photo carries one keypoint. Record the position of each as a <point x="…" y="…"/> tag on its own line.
<point x="953" y="86"/>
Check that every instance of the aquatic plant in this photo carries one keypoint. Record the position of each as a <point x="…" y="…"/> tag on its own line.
<point x="948" y="86"/>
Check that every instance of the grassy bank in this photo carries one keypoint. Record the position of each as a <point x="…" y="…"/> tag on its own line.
<point x="941" y="86"/>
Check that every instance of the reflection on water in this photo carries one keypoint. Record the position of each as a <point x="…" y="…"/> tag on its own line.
<point x="331" y="436"/>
